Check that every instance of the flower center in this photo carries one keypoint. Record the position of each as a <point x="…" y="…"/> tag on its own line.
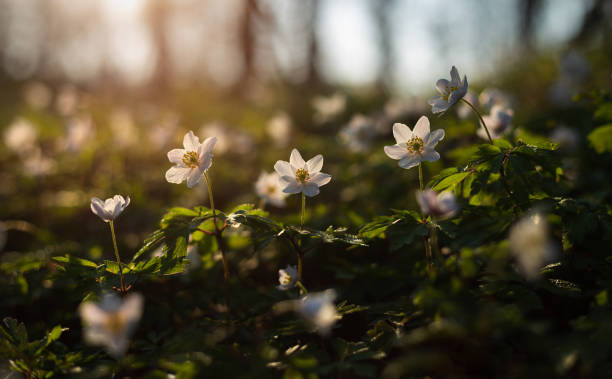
<point x="447" y="91"/>
<point x="286" y="279"/>
<point x="190" y="159"/>
<point x="302" y="175"/>
<point x="114" y="324"/>
<point x="415" y="145"/>
<point x="271" y="189"/>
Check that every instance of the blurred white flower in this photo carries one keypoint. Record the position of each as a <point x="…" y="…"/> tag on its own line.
<point x="109" y="209"/>
<point x="328" y="108"/>
<point x="221" y="132"/>
<point x="20" y="136"/>
<point x="298" y="176"/>
<point x="37" y="95"/>
<point x="567" y="138"/>
<point x="318" y="309"/>
<point x="498" y="122"/>
<point x="287" y="278"/>
<point x="279" y="129"/>
<point x="531" y="245"/>
<point x="464" y="110"/>
<point x="111" y="322"/>
<point x="36" y="164"/>
<point x="79" y="130"/>
<point x="450" y="92"/>
<point x="125" y="133"/>
<point x="493" y="96"/>
<point x="163" y="130"/>
<point x="414" y="147"/>
<point x="268" y="187"/>
<point x="192" y="161"/>
<point x="67" y="100"/>
<point x="438" y="206"/>
<point x="358" y="133"/>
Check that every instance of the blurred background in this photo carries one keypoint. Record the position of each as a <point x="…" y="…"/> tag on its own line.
<point x="94" y="93"/>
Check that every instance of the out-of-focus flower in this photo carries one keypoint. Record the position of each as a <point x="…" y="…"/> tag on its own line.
<point x="109" y="209"/>
<point x="498" y="122"/>
<point x="287" y="278"/>
<point x="439" y="206"/>
<point x="163" y="130"/>
<point x="125" y="133"/>
<point x="493" y="96"/>
<point x="531" y="245"/>
<point x="358" y="133"/>
<point x="269" y="188"/>
<point x="37" y="95"/>
<point x="413" y="147"/>
<point x="36" y="164"/>
<point x="242" y="143"/>
<point x="279" y="129"/>
<point x="575" y="68"/>
<point x="67" y="100"/>
<point x="318" y="309"/>
<point x="21" y="136"/>
<point x="79" y="131"/>
<point x="328" y="108"/>
<point x="111" y="322"/>
<point x="298" y="176"/>
<point x="450" y="92"/>
<point x="192" y="161"/>
<point x="464" y="110"/>
<point x="567" y="138"/>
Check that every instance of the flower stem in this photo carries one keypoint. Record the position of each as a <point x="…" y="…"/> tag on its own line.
<point x="303" y="210"/>
<point x="420" y="176"/>
<point x="302" y="288"/>
<point x="425" y="239"/>
<point x="262" y="204"/>
<point x="480" y="118"/>
<point x="122" y="283"/>
<point x="436" y="246"/>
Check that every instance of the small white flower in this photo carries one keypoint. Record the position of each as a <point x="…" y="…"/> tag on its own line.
<point x="268" y="187"/>
<point x="21" y="136"/>
<point x="318" y="309"/>
<point x="79" y="130"/>
<point x="493" y="96"/>
<point x="531" y="245"/>
<point x="279" y="129"/>
<point x="567" y="138"/>
<point x="416" y="146"/>
<point x="438" y="206"/>
<point x="328" y="108"/>
<point x="111" y="322"/>
<point x="192" y="161"/>
<point x="498" y="122"/>
<point x="450" y="92"/>
<point x="37" y="95"/>
<point x="287" y="278"/>
<point x="298" y="176"/>
<point x="358" y="133"/>
<point x="109" y="209"/>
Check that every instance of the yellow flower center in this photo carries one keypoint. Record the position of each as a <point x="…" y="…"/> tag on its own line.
<point x="114" y="323"/>
<point x="286" y="279"/>
<point x="415" y="145"/>
<point x="190" y="159"/>
<point x="302" y="175"/>
<point x="448" y="90"/>
<point x="271" y="189"/>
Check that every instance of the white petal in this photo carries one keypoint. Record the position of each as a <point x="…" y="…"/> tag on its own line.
<point x="396" y="151"/>
<point x="409" y="161"/>
<point x="177" y="174"/>
<point x="191" y="142"/>
<point x="92" y="314"/>
<point x="296" y="159"/>
<point x="455" y="79"/>
<point x="207" y="146"/>
<point x="283" y="168"/>
<point x="194" y="177"/>
<point x="454" y="97"/>
<point x="320" y="179"/>
<point x="442" y="85"/>
<point x="131" y="310"/>
<point x="311" y="189"/>
<point x="442" y="106"/>
<point x="430" y="156"/>
<point x="176" y="156"/>
<point x="292" y="187"/>
<point x="315" y="164"/>
<point x="465" y="84"/>
<point x="286" y="179"/>
<point x="401" y="132"/>
<point x="97" y="207"/>
<point x="433" y="138"/>
<point x="421" y="129"/>
<point x="205" y="162"/>
<point x="434" y="100"/>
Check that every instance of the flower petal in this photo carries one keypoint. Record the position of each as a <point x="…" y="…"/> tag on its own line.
<point x="455" y="78"/>
<point x="191" y="142"/>
<point x="97" y="207"/>
<point x="430" y="156"/>
<point x="433" y="138"/>
<point x="311" y="189"/>
<point x="401" y="132"/>
<point x="205" y="162"/>
<point x="286" y="179"/>
<point x="320" y="179"/>
<point x="292" y="187"/>
<point x="409" y="161"/>
<point x="176" y="156"/>
<point x="315" y="164"/>
<point x="442" y="86"/>
<point x="441" y="106"/>
<point x="434" y="100"/>
<point x="194" y="177"/>
<point x="283" y="168"/>
<point x="207" y="146"/>
<point x="177" y="174"/>
<point x="396" y="151"/>
<point x="296" y="159"/>
<point x="421" y="129"/>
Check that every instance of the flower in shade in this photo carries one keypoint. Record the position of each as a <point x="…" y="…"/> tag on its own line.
<point x="450" y="92"/>
<point x="287" y="278"/>
<point x="109" y="209"/>
<point x="268" y="187"/>
<point x="438" y="206"/>
<point x="493" y="96"/>
<point x="328" y="108"/>
<point x="531" y="245"/>
<point x="498" y="122"/>
<point x="192" y="161"/>
<point x="299" y="176"/>
<point x="318" y="309"/>
<point x="111" y="322"/>
<point x="414" y="147"/>
<point x="358" y="133"/>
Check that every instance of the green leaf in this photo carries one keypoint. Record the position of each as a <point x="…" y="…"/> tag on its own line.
<point x="451" y="180"/>
<point x="601" y="138"/>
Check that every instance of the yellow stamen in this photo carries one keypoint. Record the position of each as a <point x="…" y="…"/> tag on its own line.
<point x="190" y="159"/>
<point x="302" y="175"/>
<point x="415" y="145"/>
<point x="114" y="323"/>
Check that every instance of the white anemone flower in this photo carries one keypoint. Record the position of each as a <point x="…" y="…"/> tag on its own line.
<point x="111" y="322"/>
<point x="299" y="176"/>
<point x="268" y="187"/>
<point x="439" y="206"/>
<point x="450" y="92"/>
<point x="279" y="129"/>
<point x="287" y="278"/>
<point x="318" y="309"/>
<point x="531" y="245"/>
<point x="357" y="135"/>
<point x="498" y="122"/>
<point x="192" y="161"/>
<point x="109" y="209"/>
<point x="414" y="147"/>
<point x="328" y="108"/>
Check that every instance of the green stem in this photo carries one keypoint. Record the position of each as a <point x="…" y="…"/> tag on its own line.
<point x="420" y="176"/>
<point x="262" y="204"/>
<point x="302" y="288"/>
<point x="436" y="246"/>
<point x="480" y="118"/>
<point x="303" y="209"/>
<point x="425" y="239"/>
<point x="122" y="283"/>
